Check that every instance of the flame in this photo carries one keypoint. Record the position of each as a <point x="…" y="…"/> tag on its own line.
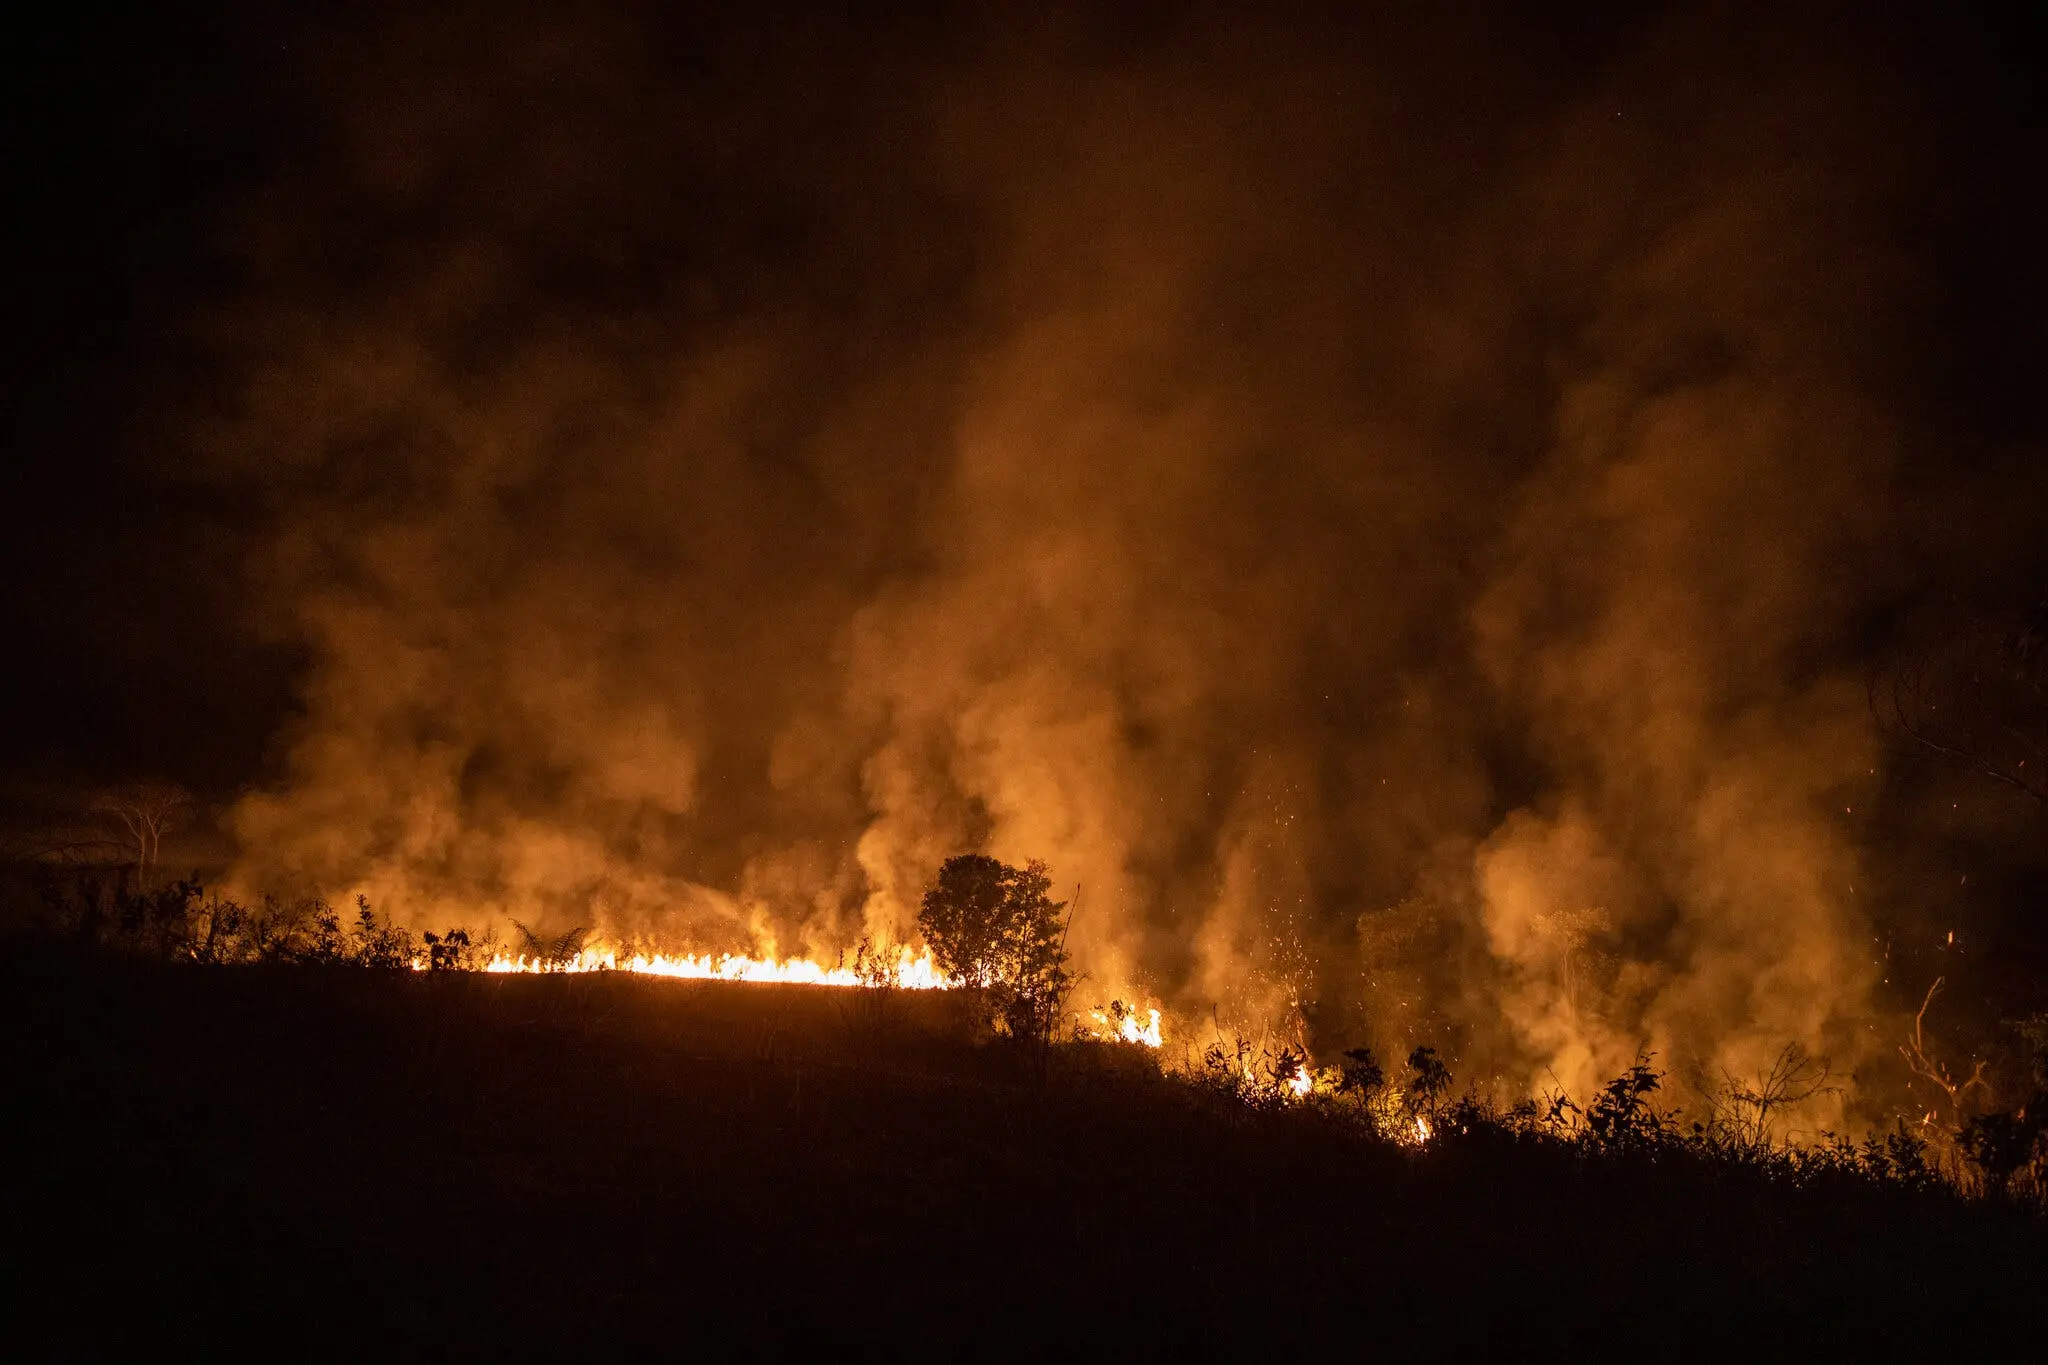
<point x="1126" y="1028"/>
<point x="1301" y="1082"/>
<point x="914" y="971"/>
<point x="1422" y="1130"/>
<point x="1148" y="1035"/>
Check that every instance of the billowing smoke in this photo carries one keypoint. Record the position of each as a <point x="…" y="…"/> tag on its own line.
<point x="1382" y="513"/>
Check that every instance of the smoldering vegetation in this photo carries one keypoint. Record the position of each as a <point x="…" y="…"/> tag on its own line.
<point x="1396" y="510"/>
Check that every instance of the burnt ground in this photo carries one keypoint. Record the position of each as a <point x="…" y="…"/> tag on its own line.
<point x="352" y="1163"/>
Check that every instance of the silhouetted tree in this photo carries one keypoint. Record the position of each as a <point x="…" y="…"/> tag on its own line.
<point x="1430" y="1082"/>
<point x="1924" y="1062"/>
<point x="998" y="929"/>
<point x="989" y="923"/>
<point x="145" y="812"/>
<point x="1361" y="1075"/>
<point x="2009" y="1146"/>
<point x="1742" y="1110"/>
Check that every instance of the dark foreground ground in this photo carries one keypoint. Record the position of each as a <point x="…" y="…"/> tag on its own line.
<point x="359" y="1164"/>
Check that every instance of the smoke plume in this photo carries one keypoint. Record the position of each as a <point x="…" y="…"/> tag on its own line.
<point x="1383" y="513"/>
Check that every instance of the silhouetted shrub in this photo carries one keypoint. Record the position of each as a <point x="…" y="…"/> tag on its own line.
<point x="451" y="952"/>
<point x="379" y="945"/>
<point x="870" y="1006"/>
<point x="1622" y="1116"/>
<point x="2003" y="1146"/>
<point x="1429" y="1082"/>
<point x="550" y="950"/>
<point x="997" y="930"/>
<point x="1361" y="1077"/>
<point x="1244" y="1073"/>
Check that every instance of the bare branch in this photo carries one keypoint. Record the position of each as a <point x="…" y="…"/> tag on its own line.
<point x="1925" y="1065"/>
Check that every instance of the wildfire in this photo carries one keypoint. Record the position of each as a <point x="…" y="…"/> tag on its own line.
<point x="1301" y="1082"/>
<point x="913" y="971"/>
<point x="1123" y="1025"/>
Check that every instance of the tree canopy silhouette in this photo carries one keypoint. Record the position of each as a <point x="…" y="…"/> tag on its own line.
<point x="990" y="924"/>
<point x="998" y="929"/>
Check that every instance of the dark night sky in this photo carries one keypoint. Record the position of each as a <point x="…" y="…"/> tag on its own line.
<point x="273" y="278"/>
<point x="130" y="129"/>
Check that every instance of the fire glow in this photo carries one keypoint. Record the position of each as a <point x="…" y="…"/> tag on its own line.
<point x="914" y="971"/>
<point x="1125" y="1027"/>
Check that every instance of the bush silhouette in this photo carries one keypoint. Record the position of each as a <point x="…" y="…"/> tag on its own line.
<point x="999" y="931"/>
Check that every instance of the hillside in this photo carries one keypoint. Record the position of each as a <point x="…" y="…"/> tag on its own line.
<point x="349" y="1162"/>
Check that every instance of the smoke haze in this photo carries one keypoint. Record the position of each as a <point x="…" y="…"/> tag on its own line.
<point x="1387" y="513"/>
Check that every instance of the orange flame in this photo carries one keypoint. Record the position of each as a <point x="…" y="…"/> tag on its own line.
<point x="914" y="971"/>
<point x="1126" y="1028"/>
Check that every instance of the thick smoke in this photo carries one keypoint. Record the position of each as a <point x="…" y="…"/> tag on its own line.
<point x="1380" y="513"/>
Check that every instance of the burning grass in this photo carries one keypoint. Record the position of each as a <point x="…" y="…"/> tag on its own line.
<point x="233" y="1128"/>
<point x="910" y="972"/>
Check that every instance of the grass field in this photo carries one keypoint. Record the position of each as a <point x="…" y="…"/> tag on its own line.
<point x="357" y="1163"/>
